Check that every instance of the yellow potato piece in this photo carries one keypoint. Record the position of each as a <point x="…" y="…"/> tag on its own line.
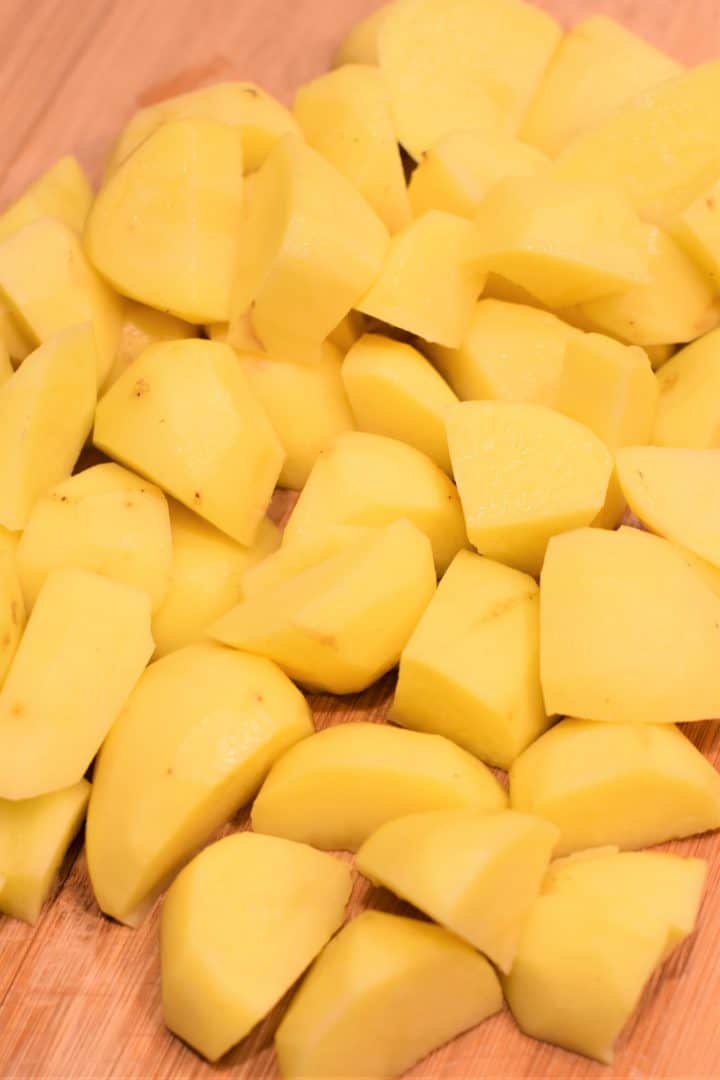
<point x="206" y="577"/>
<point x="658" y="148"/>
<point x="458" y="171"/>
<point x="471" y="670"/>
<point x="291" y="559"/>
<point x="240" y="335"/>
<point x="476" y="874"/>
<point x="12" y="335"/>
<point x="613" y="915"/>
<point x="62" y="192"/>
<point x="260" y="119"/>
<point x="341" y="624"/>
<point x="369" y="480"/>
<point x="347" y="331"/>
<point x="143" y="326"/>
<point x="697" y="230"/>
<point x="46" y="414"/>
<point x="105" y="520"/>
<point x="184" y="416"/>
<point x="165" y="227"/>
<point x="384" y="994"/>
<point x="393" y="390"/>
<point x="461" y="64"/>
<point x="566" y="243"/>
<point x="614" y="646"/>
<point x="524" y="473"/>
<point x="336" y="788"/>
<point x="631" y="785"/>
<point x="193" y="744"/>
<point x="688" y="412"/>
<point x="345" y="116"/>
<point x="35" y="835"/>
<point x="12" y="607"/>
<point x="598" y="66"/>
<point x="678" y="303"/>
<point x="299" y="273"/>
<point x="430" y="280"/>
<point x="239" y="926"/>
<point x="50" y="286"/>
<point x="360" y="44"/>
<point x="85" y="646"/>
<point x="511" y="352"/>
<point x="305" y="403"/>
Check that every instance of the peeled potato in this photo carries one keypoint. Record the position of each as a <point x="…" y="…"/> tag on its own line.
<point x="143" y="326"/>
<point x="688" y="412"/>
<point x="697" y="230"/>
<point x="12" y="606"/>
<point x="62" y="192"/>
<point x="292" y="559"/>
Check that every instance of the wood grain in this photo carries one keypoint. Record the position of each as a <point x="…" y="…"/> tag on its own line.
<point x="79" y="995"/>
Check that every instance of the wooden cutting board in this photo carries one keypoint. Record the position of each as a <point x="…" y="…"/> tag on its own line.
<point x="79" y="996"/>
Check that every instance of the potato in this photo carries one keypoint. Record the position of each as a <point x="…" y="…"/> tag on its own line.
<point x="632" y="785"/>
<point x="525" y="473"/>
<point x="184" y="415"/>
<point x="454" y="65"/>
<point x="280" y="385"/>
<point x="228" y="953"/>
<point x="206" y="576"/>
<point x="476" y="874"/>
<point x="458" y="171"/>
<point x="194" y="742"/>
<point x="6" y="368"/>
<point x="657" y="148"/>
<point x="566" y="243"/>
<point x="46" y="414"/>
<point x="105" y="520"/>
<point x="697" y="230"/>
<point x="240" y="335"/>
<point x="678" y="303"/>
<point x="347" y="331"/>
<point x="688" y="412"/>
<point x="616" y="647"/>
<point x="343" y="623"/>
<point x="471" y="670"/>
<point x="430" y="280"/>
<point x="612" y="915"/>
<point x="345" y="116"/>
<point x="336" y="788"/>
<point x="384" y="994"/>
<point x="165" y="226"/>
<point x="50" y="287"/>
<point x="143" y="326"/>
<point x="360" y="44"/>
<point x="369" y="480"/>
<point x="34" y="837"/>
<point x="598" y="66"/>
<point x="85" y="646"/>
<point x="292" y="559"/>
<point x="394" y="391"/>
<point x="12" y="607"/>
<point x="62" y="192"/>
<point x="512" y="352"/>
<point x="299" y="274"/>
<point x="13" y="337"/>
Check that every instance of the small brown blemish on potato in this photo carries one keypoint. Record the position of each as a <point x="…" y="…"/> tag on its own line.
<point x="7" y="638"/>
<point x="170" y="771"/>
<point x="251" y="91"/>
<point x="259" y="698"/>
<point x="197" y="497"/>
<point x="18" y="709"/>
<point x="129" y="504"/>
<point x="141" y="387"/>
<point x="668" y="382"/>
<point x="710" y="202"/>
<point x="15" y="612"/>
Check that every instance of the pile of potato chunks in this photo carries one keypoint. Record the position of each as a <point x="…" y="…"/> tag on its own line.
<point x="468" y="375"/>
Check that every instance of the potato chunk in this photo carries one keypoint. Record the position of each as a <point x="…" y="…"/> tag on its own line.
<point x="292" y="559"/>
<point x="341" y="624"/>
<point x="471" y="670"/>
<point x="85" y="646"/>
<point x="360" y="44"/>
<point x="62" y="192"/>
<point x="614" y="645"/>
<point x="143" y="326"/>
<point x="632" y="785"/>
<point x="12" y="606"/>
<point x="228" y="951"/>
<point x="476" y="874"/>
<point x="34" y="837"/>
<point x="337" y="787"/>
<point x="384" y="994"/>
<point x="194" y="742"/>
<point x="524" y="473"/>
<point x="688" y="412"/>
<point x="184" y="415"/>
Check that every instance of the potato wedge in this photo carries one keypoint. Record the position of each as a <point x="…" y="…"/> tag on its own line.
<point x="12" y="606"/>
<point x="143" y="326"/>
<point x="62" y="192"/>
<point x="688" y="412"/>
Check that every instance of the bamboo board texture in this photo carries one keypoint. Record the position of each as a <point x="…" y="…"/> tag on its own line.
<point x="79" y="995"/>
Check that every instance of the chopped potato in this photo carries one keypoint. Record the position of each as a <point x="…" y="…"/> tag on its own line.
<point x="688" y="412"/>
<point x="292" y="559"/>
<point x="143" y="326"/>
<point x="12" y="606"/>
<point x="62" y="192"/>
<point x="13" y="337"/>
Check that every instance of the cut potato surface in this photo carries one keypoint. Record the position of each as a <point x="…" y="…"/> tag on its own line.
<point x="614" y="646"/>
<point x="688" y="412"/>
<point x="471" y="670"/>
<point x="631" y="785"/>
<point x="342" y="623"/>
<point x="12" y="606"/>
<point x="229" y="951"/>
<point x="697" y="230"/>
<point x="525" y="473"/>
<point x="35" y="835"/>
<point x="289" y="560"/>
<point x="336" y="788"/>
<point x="192" y="745"/>
<point x="477" y="874"/>
<point x="14" y="337"/>
<point x="63" y="192"/>
<point x="384" y="994"/>
<point x="143" y="326"/>
<point x="184" y="416"/>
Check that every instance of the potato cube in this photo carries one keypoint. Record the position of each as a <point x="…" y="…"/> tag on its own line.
<point x="143" y="326"/>
<point x="62" y="192"/>
<point x="688" y="412"/>
<point x="12" y="607"/>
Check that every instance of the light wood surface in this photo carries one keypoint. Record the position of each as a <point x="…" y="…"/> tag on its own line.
<point x="79" y="996"/>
